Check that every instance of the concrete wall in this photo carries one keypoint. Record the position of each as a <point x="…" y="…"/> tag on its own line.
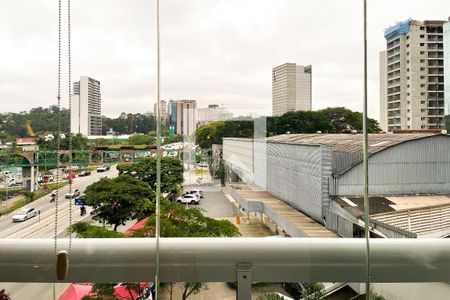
<point x="420" y="166"/>
<point x="238" y="156"/>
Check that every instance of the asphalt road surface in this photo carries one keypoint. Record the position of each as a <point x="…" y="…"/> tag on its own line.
<point x="44" y="227"/>
<point x="214" y="202"/>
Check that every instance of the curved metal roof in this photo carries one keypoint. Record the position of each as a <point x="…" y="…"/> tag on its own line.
<point x="349" y="143"/>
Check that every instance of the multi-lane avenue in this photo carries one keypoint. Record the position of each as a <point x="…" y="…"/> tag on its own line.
<point x="43" y="226"/>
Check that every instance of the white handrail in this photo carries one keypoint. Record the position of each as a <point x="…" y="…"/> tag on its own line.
<point x="216" y="260"/>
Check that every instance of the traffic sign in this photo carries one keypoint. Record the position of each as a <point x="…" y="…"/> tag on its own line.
<point x="79" y="201"/>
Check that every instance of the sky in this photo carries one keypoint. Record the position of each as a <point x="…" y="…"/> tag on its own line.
<point x="214" y="51"/>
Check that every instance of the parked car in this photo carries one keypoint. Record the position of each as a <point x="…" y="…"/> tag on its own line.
<point x="188" y="199"/>
<point x="73" y="194"/>
<point x="25" y="214"/>
<point x="84" y="173"/>
<point x="198" y="193"/>
<point x="70" y="175"/>
<point x="202" y="165"/>
<point x="102" y="168"/>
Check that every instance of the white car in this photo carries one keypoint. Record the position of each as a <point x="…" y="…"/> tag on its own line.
<point x="75" y="193"/>
<point x="188" y="199"/>
<point x="197" y="193"/>
<point x="25" y="214"/>
<point x="103" y="168"/>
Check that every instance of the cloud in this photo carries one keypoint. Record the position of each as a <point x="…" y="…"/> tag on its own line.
<point x="215" y="51"/>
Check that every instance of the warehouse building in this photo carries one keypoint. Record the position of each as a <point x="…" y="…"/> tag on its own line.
<point x="321" y="175"/>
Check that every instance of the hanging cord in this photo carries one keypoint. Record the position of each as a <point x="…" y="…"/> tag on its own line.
<point x="69" y="55"/>
<point x="58" y="133"/>
<point x="158" y="153"/>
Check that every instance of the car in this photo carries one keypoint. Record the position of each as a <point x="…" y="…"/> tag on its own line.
<point x="25" y="214"/>
<point x="198" y="193"/>
<point x="70" y="175"/>
<point x="202" y="165"/>
<point x="84" y="173"/>
<point x="188" y="199"/>
<point x="102" y="168"/>
<point x="73" y="194"/>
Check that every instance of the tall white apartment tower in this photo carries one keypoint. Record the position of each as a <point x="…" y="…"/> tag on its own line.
<point x="413" y="76"/>
<point x="447" y="73"/>
<point x="291" y="88"/>
<point x="85" y="117"/>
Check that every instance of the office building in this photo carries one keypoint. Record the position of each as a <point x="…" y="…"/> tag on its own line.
<point x="183" y="116"/>
<point x="212" y="113"/>
<point x="164" y="114"/>
<point x="85" y="116"/>
<point x="414" y="76"/>
<point x="291" y="88"/>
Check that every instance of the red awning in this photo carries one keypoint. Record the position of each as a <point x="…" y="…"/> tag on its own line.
<point x="136" y="226"/>
<point x="75" y="292"/>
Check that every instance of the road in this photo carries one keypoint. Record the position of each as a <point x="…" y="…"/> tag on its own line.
<point x="214" y="202"/>
<point x="44" y="227"/>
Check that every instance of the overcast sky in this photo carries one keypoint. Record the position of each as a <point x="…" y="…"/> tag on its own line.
<point x="215" y="51"/>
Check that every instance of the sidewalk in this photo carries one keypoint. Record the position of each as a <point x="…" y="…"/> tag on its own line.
<point x="4" y="205"/>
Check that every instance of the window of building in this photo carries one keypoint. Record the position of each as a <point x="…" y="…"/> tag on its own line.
<point x="422" y="77"/>
<point x="407" y="53"/>
<point x="407" y="69"/>
<point x="422" y="36"/>
<point x="408" y="94"/>
<point x="422" y="60"/>
<point x="422" y="52"/>
<point x="407" y="78"/>
<point x="409" y="119"/>
<point x="407" y="37"/>
<point x="422" y="28"/>
<point x="407" y="45"/>
<point x="422" y="85"/>
<point x="422" y="102"/>
<point x="407" y="85"/>
<point x="422" y="44"/>
<point x="422" y="69"/>
<point x="422" y="94"/>
<point x="407" y="61"/>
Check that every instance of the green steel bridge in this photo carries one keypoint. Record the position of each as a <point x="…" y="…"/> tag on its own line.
<point x="83" y="158"/>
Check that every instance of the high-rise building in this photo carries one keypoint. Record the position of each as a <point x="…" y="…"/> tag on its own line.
<point x="414" y="80"/>
<point x="183" y="116"/>
<point x="85" y="116"/>
<point x="291" y="88"/>
<point x="163" y="109"/>
<point x="212" y="113"/>
<point x="446" y="30"/>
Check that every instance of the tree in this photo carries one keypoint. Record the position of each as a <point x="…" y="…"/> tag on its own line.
<point x="118" y="200"/>
<point x="300" y="122"/>
<point x="177" y="221"/>
<point x="344" y="120"/>
<point x="88" y="230"/>
<point x="141" y="139"/>
<point x="313" y="291"/>
<point x="145" y="170"/>
<point x="29" y="196"/>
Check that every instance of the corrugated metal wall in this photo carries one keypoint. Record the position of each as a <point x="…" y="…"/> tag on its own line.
<point x="294" y="175"/>
<point x="415" y="167"/>
<point x="260" y="164"/>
